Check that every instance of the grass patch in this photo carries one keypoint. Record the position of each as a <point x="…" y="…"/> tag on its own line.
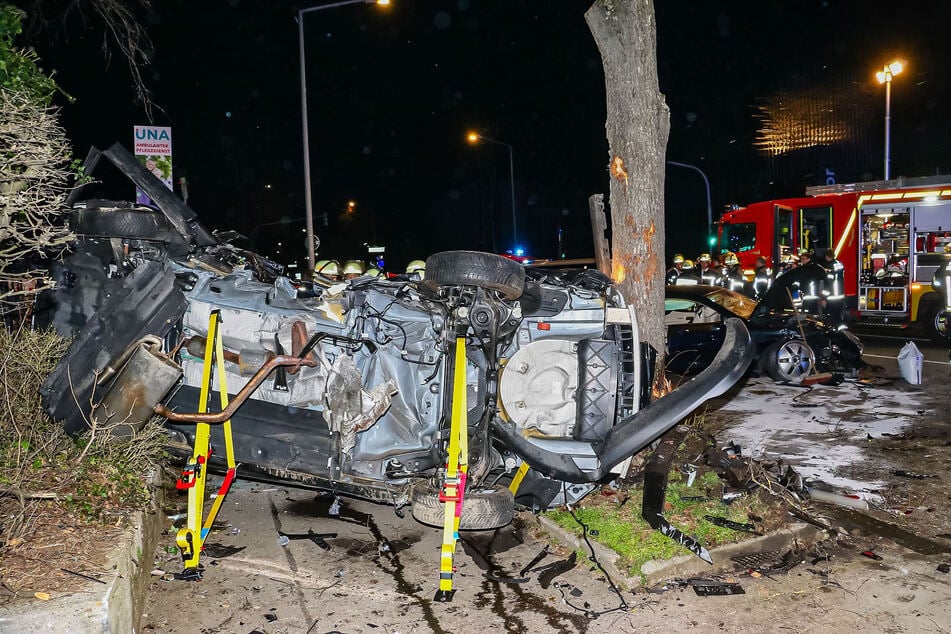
<point x="621" y="527"/>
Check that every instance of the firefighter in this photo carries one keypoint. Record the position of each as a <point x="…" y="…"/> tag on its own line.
<point x="688" y="275"/>
<point x="416" y="270"/>
<point x="707" y="273"/>
<point x="352" y="269"/>
<point x="329" y="269"/>
<point x="809" y="280"/>
<point x="761" y="278"/>
<point x="373" y="271"/>
<point x="732" y="277"/>
<point x="834" y="288"/>
<point x="674" y="271"/>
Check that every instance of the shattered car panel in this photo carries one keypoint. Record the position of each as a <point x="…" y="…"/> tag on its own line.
<point x="359" y="398"/>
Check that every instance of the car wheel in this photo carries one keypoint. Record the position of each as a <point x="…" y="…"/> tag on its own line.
<point x="789" y="361"/>
<point x="936" y="322"/>
<point x="474" y="268"/>
<point x="483" y="508"/>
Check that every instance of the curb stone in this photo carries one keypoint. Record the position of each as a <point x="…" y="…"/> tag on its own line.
<point x="116" y="606"/>
<point x="688" y="565"/>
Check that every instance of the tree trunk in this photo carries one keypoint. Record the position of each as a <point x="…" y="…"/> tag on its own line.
<point x="638" y="122"/>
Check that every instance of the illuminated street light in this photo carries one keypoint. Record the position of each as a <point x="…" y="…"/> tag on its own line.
<point x="473" y="138"/>
<point x="308" y="196"/>
<point x="884" y="76"/>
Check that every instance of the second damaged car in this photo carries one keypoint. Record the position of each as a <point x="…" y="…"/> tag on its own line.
<point x="351" y="390"/>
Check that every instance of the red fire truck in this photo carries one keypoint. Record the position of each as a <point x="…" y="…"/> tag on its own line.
<point x="889" y="235"/>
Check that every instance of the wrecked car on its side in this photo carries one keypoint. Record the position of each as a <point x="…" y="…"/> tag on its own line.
<point x="555" y="374"/>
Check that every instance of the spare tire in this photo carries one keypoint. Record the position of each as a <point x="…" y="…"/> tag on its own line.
<point x="475" y="268"/>
<point x="132" y="224"/>
<point x="483" y="508"/>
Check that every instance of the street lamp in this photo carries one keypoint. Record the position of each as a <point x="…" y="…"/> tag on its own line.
<point x="707" y="184"/>
<point x="308" y="196"/>
<point x="473" y="138"/>
<point x="884" y="76"/>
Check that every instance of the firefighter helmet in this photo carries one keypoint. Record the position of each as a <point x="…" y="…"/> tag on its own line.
<point x="730" y="259"/>
<point x="328" y="268"/>
<point x="372" y="271"/>
<point x="678" y="258"/>
<point x="704" y="257"/>
<point x="417" y="267"/>
<point x="688" y="265"/>
<point x="353" y="267"/>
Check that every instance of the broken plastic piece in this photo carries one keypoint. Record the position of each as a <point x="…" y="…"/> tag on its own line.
<point x="535" y="560"/>
<point x="558" y="568"/>
<point x="871" y="555"/>
<point x="736" y="526"/>
<point x="718" y="590"/>
<point x="945" y="568"/>
<point x="850" y="501"/>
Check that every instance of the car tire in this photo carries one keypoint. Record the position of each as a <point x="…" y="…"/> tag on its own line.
<point x="789" y="361"/>
<point x="935" y="322"/>
<point x="475" y="268"/>
<point x="132" y="224"/>
<point x="483" y="508"/>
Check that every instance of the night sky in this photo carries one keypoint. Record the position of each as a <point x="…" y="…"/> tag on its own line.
<point x="393" y="90"/>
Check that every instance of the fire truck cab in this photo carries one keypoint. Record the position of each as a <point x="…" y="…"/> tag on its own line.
<point x="889" y="235"/>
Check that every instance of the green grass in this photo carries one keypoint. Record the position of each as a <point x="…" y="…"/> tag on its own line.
<point x="622" y="528"/>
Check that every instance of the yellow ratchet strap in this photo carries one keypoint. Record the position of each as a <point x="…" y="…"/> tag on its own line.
<point x="518" y="477"/>
<point x="191" y="538"/>
<point x="453" y="491"/>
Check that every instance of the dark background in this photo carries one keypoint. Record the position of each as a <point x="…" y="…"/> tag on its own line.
<point x="392" y="91"/>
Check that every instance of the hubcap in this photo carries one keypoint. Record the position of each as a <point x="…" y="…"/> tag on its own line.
<point x="794" y="359"/>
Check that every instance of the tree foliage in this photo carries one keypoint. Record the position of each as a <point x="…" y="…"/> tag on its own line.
<point x="35" y="174"/>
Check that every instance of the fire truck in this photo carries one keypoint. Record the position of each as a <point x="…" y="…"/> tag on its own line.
<point x="890" y="236"/>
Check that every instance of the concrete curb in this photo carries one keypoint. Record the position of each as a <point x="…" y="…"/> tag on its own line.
<point x="116" y="606"/>
<point x="658" y="570"/>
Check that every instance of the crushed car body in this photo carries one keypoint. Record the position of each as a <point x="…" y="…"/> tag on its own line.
<point x="357" y="396"/>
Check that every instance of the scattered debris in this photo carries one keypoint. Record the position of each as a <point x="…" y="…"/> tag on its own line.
<point x="317" y="538"/>
<point x="945" y="568"/>
<point x="79" y="574"/>
<point x="270" y="618"/>
<point x="850" y="501"/>
<point x="42" y="596"/>
<point x="912" y="474"/>
<point x="655" y="490"/>
<point x="334" y="510"/>
<point x="541" y="555"/>
<point x="690" y="471"/>
<point x="553" y="570"/>
<point x="736" y="526"/>
<point x="718" y="589"/>
<point x="770" y="561"/>
<point x="871" y="555"/>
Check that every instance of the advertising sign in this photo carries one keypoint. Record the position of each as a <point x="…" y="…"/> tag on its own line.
<point x="153" y="148"/>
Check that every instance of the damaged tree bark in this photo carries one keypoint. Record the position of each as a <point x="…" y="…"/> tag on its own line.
<point x="638" y="122"/>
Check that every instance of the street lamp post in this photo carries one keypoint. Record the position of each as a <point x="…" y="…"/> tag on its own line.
<point x="707" y="185"/>
<point x="308" y="195"/>
<point x="472" y="137"/>
<point x="884" y="76"/>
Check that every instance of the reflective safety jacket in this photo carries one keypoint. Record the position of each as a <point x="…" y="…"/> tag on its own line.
<point x="672" y="274"/>
<point x="709" y="276"/>
<point x="733" y="279"/>
<point x="761" y="282"/>
<point x="834" y="286"/>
